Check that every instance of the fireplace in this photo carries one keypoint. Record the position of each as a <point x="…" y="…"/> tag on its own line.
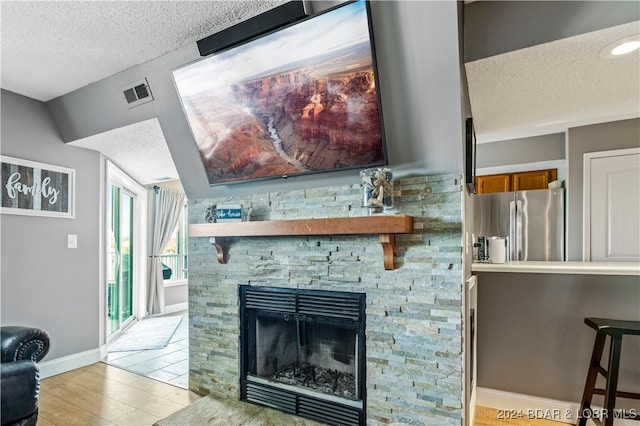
<point x="414" y="333"/>
<point x="303" y="352"/>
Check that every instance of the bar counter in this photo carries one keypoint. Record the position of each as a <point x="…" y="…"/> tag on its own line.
<point x="557" y="267"/>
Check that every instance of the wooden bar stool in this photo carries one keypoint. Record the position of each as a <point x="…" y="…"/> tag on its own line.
<point x="615" y="329"/>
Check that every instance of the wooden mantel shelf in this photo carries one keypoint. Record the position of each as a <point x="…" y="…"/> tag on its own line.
<point x="385" y="226"/>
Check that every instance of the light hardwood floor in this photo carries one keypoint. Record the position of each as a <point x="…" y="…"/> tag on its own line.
<point x="490" y="417"/>
<point x="102" y="394"/>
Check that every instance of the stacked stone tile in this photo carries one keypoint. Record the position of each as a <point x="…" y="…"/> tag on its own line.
<point x="414" y="312"/>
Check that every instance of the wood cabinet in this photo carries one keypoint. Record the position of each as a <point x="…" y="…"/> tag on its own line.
<point x="493" y="183"/>
<point x="538" y="179"/>
<point x="520" y="181"/>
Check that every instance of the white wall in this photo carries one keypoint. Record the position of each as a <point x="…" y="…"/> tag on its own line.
<point x="520" y="151"/>
<point x="495" y="27"/>
<point x="45" y="284"/>
<point x="532" y="339"/>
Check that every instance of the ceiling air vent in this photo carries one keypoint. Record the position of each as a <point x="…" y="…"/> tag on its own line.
<point x="137" y="93"/>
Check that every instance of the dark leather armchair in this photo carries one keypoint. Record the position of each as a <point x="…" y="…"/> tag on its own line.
<point x="22" y="348"/>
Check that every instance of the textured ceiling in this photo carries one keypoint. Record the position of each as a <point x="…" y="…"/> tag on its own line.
<point x="139" y="149"/>
<point x="553" y="86"/>
<point x="50" y="48"/>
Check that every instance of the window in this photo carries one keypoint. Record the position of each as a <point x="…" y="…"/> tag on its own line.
<point x="174" y="256"/>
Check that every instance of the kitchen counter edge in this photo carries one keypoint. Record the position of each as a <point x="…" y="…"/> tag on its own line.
<point x="557" y="267"/>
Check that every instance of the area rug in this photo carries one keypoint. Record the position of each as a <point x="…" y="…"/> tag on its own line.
<point x="150" y="333"/>
<point x="229" y="412"/>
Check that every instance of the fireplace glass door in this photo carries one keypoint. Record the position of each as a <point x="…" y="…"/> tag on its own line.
<point x="304" y="352"/>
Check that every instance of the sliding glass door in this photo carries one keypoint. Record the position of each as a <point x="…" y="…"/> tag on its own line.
<point x="121" y="247"/>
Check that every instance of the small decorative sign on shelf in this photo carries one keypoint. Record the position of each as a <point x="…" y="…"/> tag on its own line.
<point x="229" y="213"/>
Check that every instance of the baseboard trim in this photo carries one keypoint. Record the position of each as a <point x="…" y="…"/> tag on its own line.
<point x="175" y="283"/>
<point x="529" y="406"/>
<point x="533" y="407"/>
<point x="69" y="362"/>
<point x="169" y="309"/>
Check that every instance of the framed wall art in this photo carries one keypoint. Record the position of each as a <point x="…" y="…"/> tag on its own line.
<point x="36" y="189"/>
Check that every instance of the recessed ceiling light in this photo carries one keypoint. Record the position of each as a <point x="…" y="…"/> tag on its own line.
<point x="625" y="48"/>
<point x="621" y="47"/>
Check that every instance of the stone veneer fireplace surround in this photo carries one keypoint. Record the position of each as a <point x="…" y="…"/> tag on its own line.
<point x="414" y="347"/>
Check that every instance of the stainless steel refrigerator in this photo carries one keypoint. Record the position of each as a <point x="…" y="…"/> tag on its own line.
<point x="533" y="222"/>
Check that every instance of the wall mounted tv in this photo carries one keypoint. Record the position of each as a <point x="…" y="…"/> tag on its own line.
<point x="300" y="100"/>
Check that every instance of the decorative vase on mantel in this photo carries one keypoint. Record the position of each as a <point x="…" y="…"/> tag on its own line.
<point x="377" y="189"/>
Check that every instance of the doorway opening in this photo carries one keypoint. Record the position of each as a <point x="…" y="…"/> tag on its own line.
<point x="154" y="345"/>
<point x="120" y="256"/>
<point x="125" y="248"/>
<point x="169" y="364"/>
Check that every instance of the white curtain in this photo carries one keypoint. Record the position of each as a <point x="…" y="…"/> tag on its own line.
<point x="167" y="207"/>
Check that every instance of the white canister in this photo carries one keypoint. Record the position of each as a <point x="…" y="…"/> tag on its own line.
<point x="497" y="249"/>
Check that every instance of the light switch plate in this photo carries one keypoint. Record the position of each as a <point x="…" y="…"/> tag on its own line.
<point x="72" y="241"/>
<point x="466" y="242"/>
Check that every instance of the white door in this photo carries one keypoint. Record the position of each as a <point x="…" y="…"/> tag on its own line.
<point x="612" y="205"/>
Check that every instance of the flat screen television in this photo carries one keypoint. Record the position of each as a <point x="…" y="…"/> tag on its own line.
<point x="302" y="99"/>
<point x="470" y="156"/>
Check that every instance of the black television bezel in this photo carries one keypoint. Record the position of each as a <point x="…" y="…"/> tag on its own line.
<point x="383" y="139"/>
<point x="470" y="156"/>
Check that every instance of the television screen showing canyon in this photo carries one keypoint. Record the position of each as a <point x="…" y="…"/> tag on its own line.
<point x="299" y="100"/>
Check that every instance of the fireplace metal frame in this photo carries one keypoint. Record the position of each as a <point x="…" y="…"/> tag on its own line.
<point x="344" y="309"/>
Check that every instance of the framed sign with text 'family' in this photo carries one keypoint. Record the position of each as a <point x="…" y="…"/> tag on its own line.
<point x="36" y="189"/>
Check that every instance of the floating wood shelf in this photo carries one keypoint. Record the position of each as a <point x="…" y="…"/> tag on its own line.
<point x="385" y="226"/>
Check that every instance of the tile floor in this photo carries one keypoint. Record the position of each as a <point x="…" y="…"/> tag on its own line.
<point x="169" y="365"/>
